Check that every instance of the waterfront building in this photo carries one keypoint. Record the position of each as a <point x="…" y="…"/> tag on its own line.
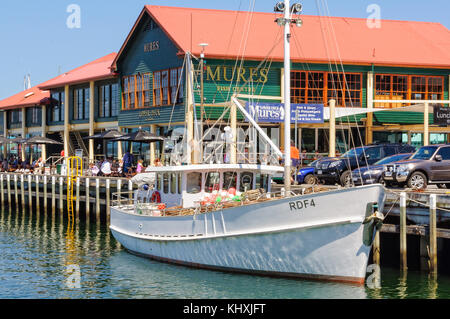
<point x="148" y="82"/>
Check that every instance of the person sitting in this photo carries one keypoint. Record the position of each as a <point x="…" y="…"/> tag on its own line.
<point x="93" y="169"/>
<point x="158" y="162"/>
<point x="140" y="167"/>
<point x="106" y="168"/>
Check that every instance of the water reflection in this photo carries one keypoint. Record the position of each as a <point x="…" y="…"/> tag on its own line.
<point x="36" y="252"/>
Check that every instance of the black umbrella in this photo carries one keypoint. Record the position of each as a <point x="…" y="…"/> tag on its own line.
<point x="41" y="140"/>
<point x="17" y="140"/>
<point x="140" y="136"/>
<point x="106" y="135"/>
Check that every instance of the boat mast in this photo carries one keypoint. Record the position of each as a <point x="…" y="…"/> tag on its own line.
<point x="286" y="23"/>
<point x="287" y="98"/>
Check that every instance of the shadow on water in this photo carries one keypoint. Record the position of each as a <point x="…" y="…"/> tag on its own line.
<point x="50" y="256"/>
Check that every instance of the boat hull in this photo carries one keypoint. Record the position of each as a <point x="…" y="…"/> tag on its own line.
<point x="317" y="236"/>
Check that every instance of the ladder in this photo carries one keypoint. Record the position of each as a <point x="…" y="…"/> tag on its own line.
<point x="74" y="171"/>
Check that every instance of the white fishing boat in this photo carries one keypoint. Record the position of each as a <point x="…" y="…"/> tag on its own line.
<point x="226" y="217"/>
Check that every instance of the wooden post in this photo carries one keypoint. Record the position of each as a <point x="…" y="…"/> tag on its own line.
<point x="37" y="194"/>
<point x="77" y="199"/>
<point x="30" y="197"/>
<point x="130" y="190"/>
<point x="433" y="234"/>
<point x="108" y="198"/>
<point x="53" y="195"/>
<point x="8" y="185"/>
<point x="2" y="186"/>
<point x="22" y="191"/>
<point x="426" y="128"/>
<point x="61" y="200"/>
<point x="332" y="146"/>
<point x="45" y="194"/>
<point x="376" y="248"/>
<point x="16" y="193"/>
<point x="119" y="188"/>
<point x="97" y="199"/>
<point x="403" y="251"/>
<point x="88" y="201"/>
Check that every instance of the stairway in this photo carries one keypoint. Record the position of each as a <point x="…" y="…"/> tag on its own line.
<point x="75" y="142"/>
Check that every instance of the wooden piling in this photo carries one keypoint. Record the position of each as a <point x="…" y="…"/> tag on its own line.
<point x="119" y="188"/>
<point x="16" y="193"/>
<point x="45" y="194"/>
<point x="97" y="199"/>
<point x="433" y="236"/>
<point x="61" y="200"/>
<point x="88" y="200"/>
<point x="108" y="203"/>
<point x="403" y="251"/>
<point x="22" y="191"/>
<point x="77" y="199"/>
<point x="130" y="189"/>
<point x="376" y="248"/>
<point x="38" y="206"/>
<point x="53" y="195"/>
<point x="8" y="186"/>
<point x="30" y="198"/>
<point x="2" y="188"/>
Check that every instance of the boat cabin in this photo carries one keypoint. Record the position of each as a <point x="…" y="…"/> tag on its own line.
<point x="192" y="185"/>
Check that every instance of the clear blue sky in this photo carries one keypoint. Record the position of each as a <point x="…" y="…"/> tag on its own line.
<point x="35" y="39"/>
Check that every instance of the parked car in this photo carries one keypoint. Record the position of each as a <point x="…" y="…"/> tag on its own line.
<point x="374" y="173"/>
<point x="338" y="169"/>
<point x="305" y="175"/>
<point x="429" y="165"/>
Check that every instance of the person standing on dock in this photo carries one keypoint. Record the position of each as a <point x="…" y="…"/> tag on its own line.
<point x="127" y="162"/>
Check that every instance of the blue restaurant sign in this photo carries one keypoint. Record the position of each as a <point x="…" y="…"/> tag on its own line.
<point x="274" y="112"/>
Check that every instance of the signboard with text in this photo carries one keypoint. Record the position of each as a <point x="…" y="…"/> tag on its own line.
<point x="274" y="112"/>
<point x="441" y="115"/>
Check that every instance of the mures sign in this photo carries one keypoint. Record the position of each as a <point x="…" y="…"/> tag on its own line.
<point x="441" y="115"/>
<point x="274" y="112"/>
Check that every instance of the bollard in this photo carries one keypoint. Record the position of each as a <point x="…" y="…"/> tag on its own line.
<point x="403" y="250"/>
<point x="433" y="234"/>
<point x="53" y="195"/>
<point x="97" y="199"/>
<point x="88" y="200"/>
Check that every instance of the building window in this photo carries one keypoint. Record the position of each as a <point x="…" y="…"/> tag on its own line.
<point x="407" y="87"/>
<point x="56" y="111"/>
<point x="81" y="104"/>
<point x="108" y="100"/>
<point x="35" y="114"/>
<point x="167" y="87"/>
<point x="320" y="87"/>
<point x="136" y="91"/>
<point x="15" y="118"/>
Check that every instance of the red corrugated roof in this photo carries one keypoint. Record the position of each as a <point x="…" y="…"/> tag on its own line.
<point x="26" y="98"/>
<point x="232" y="34"/>
<point x="95" y="70"/>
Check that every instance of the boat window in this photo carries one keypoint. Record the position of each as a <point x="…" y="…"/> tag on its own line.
<point x="212" y="182"/>
<point x="158" y="182"/>
<point x="229" y="180"/>
<point x="179" y="183"/>
<point x="246" y="181"/>
<point x="166" y="183"/>
<point x="194" y="183"/>
<point x="262" y="181"/>
<point x="173" y="183"/>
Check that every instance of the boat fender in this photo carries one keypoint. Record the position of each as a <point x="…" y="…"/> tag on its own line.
<point x="372" y="224"/>
<point x="156" y="197"/>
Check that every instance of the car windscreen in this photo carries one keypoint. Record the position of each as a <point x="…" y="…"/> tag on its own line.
<point x="391" y="159"/>
<point x="424" y="153"/>
<point x="353" y="152"/>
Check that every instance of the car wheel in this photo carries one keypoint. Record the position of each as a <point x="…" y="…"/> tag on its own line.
<point x="346" y="179"/>
<point x="310" y="179"/>
<point x="417" y="180"/>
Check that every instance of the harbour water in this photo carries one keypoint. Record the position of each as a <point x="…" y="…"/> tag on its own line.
<point x="40" y="256"/>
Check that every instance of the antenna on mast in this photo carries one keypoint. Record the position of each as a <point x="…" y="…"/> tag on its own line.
<point x="27" y="82"/>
